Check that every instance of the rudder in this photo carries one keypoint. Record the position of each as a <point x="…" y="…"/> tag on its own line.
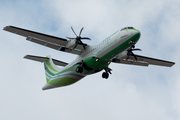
<point x="50" y="69"/>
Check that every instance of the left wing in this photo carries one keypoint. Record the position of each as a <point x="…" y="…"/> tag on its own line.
<point x="143" y="61"/>
<point x="44" y="39"/>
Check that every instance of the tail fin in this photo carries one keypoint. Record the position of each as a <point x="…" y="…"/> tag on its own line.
<point x="50" y="69"/>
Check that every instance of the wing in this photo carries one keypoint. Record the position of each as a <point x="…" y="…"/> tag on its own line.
<point x="44" y="39"/>
<point x="143" y="61"/>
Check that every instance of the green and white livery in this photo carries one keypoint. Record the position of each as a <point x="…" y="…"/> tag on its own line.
<point x="117" y="48"/>
<point x="57" y="77"/>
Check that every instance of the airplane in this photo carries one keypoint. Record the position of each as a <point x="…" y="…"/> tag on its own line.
<point x="117" y="48"/>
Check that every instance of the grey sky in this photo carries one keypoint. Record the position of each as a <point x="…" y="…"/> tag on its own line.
<point x="131" y="92"/>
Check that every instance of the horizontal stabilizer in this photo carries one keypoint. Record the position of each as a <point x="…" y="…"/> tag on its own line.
<point x="43" y="59"/>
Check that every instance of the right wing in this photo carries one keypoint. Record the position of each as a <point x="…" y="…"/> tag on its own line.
<point x="44" y="39"/>
<point x="143" y="61"/>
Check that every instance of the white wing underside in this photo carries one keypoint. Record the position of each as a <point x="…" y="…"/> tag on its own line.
<point x="45" y="40"/>
<point x="143" y="61"/>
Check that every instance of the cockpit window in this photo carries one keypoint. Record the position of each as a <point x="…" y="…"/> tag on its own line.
<point x="123" y="28"/>
<point x="130" y="28"/>
<point x="127" y="28"/>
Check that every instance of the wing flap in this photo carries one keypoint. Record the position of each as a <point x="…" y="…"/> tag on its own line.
<point x="130" y="62"/>
<point x="43" y="59"/>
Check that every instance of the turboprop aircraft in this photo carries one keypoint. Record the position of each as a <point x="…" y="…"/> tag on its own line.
<point x="117" y="48"/>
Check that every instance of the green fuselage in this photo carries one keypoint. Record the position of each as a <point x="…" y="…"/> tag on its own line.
<point x="102" y="54"/>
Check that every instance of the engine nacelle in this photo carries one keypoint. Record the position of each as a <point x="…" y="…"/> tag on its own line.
<point x="71" y="43"/>
<point x="122" y="55"/>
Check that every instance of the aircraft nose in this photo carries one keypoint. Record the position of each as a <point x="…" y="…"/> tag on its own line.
<point x="135" y="32"/>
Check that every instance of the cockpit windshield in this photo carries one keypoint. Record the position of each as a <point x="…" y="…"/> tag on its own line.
<point x="127" y="28"/>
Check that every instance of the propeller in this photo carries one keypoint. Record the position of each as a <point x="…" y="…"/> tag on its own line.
<point x="79" y="38"/>
<point x="129" y="51"/>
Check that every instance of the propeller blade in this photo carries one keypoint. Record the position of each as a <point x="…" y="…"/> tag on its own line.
<point x="129" y="50"/>
<point x="75" y="46"/>
<point x="81" y="31"/>
<point x="84" y="47"/>
<point x="86" y="38"/>
<point x="127" y="56"/>
<point x="80" y="42"/>
<point x="73" y="30"/>
<point x="78" y="38"/>
<point x="136" y="49"/>
<point x="133" y="55"/>
<point x="70" y="38"/>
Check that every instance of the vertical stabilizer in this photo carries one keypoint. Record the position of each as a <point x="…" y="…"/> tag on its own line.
<point x="50" y="69"/>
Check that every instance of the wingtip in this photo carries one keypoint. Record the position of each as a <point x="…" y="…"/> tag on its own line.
<point x="25" y="56"/>
<point x="6" y="27"/>
<point x="173" y="63"/>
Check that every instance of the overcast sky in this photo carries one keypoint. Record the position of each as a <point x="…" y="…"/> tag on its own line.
<point x="130" y="93"/>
